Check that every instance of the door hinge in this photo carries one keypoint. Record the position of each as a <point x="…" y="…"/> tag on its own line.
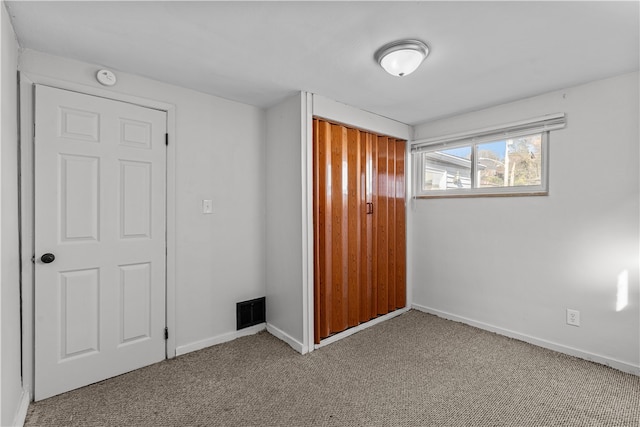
<point x="166" y="139"/>
<point x="33" y="258"/>
<point x="166" y="333"/>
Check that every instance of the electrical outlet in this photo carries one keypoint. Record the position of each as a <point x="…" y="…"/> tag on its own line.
<point x="573" y="317"/>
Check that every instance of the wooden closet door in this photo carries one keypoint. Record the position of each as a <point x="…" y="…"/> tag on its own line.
<point x="358" y="226"/>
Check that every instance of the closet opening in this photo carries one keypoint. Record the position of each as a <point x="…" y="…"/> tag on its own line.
<point x="359" y="226"/>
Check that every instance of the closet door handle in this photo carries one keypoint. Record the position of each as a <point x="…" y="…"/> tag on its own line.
<point x="369" y="208"/>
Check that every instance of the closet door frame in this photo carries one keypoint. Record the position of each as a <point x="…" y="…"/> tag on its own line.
<point x="325" y="109"/>
<point x="313" y="105"/>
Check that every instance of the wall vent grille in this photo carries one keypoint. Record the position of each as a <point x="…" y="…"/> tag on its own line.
<point x="249" y="313"/>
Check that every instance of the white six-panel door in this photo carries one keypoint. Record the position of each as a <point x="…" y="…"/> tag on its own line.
<point x="100" y="211"/>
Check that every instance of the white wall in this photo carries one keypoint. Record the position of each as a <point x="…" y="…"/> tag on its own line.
<point x="285" y="275"/>
<point x="348" y="115"/>
<point x="11" y="382"/>
<point x="514" y="264"/>
<point x="219" y="155"/>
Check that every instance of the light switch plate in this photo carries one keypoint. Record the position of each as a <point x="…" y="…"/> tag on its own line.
<point x="207" y="206"/>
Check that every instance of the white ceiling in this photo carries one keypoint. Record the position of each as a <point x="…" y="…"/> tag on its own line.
<point x="482" y="53"/>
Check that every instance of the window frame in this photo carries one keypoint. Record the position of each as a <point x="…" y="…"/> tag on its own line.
<point x="538" y="126"/>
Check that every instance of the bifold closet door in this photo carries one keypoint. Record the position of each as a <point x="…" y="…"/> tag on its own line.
<point x="359" y="227"/>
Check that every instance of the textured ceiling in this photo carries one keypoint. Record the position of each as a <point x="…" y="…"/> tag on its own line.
<point x="482" y="53"/>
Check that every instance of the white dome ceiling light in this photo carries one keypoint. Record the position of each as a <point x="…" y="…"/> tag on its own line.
<point x="402" y="57"/>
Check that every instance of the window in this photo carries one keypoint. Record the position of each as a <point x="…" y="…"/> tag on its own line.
<point x="510" y="160"/>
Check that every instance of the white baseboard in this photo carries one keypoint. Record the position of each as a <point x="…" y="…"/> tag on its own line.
<point x="560" y="348"/>
<point x="360" y="327"/>
<point x="295" y="344"/>
<point x="21" y="413"/>
<point x="219" y="339"/>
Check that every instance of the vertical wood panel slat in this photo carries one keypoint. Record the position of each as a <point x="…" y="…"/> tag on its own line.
<point x="353" y="162"/>
<point x="344" y="189"/>
<point x="365" y="227"/>
<point x="317" y="257"/>
<point x="401" y="232"/>
<point x="381" y="231"/>
<point x="326" y="227"/>
<point x="391" y="224"/>
<point x="328" y="279"/>
<point x="373" y="161"/>
<point x="336" y="223"/>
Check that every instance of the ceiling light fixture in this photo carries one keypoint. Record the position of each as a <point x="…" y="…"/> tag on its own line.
<point x="402" y="57"/>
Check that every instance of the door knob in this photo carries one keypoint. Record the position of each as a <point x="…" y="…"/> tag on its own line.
<point x="47" y="258"/>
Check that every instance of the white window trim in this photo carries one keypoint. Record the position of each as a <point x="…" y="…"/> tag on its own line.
<point x="539" y="125"/>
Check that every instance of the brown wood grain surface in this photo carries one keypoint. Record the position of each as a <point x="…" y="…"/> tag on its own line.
<point x="359" y="226"/>
<point x="401" y="230"/>
<point x="354" y="219"/>
<point x="381" y="232"/>
<point x="365" y="230"/>
<point x="391" y="221"/>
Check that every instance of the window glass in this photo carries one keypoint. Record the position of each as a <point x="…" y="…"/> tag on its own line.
<point x="510" y="163"/>
<point x="498" y="167"/>
<point x="447" y="169"/>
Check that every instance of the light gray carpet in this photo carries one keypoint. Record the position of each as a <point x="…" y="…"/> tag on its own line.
<point x="413" y="370"/>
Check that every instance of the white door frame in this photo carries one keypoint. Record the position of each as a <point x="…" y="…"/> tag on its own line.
<point x="319" y="106"/>
<point x="27" y="202"/>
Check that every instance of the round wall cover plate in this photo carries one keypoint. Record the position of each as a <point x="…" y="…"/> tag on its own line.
<point x="106" y="77"/>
